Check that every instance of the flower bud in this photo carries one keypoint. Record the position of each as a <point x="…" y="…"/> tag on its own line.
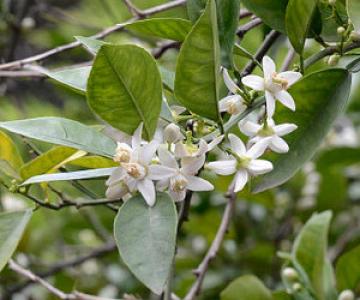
<point x="296" y="287"/>
<point x="290" y="274"/>
<point x="172" y="133"/>
<point x="340" y="30"/>
<point x="355" y="36"/>
<point x="346" y="295"/>
<point x="334" y="59"/>
<point x="332" y="2"/>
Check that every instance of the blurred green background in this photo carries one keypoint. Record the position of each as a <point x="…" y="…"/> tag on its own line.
<point x="264" y="223"/>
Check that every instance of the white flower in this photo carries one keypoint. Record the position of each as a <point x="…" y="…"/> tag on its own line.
<point x="172" y="133"/>
<point x="233" y="104"/>
<point x="183" y="178"/>
<point x="186" y="149"/>
<point x="274" y="84"/>
<point x="242" y="162"/>
<point x="137" y="174"/>
<point x="269" y="131"/>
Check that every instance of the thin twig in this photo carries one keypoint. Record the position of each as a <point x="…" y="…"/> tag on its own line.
<point x="159" y="52"/>
<point x="58" y="267"/>
<point x="264" y="48"/>
<point x="133" y="9"/>
<point x="21" y="62"/>
<point x="248" y="26"/>
<point x="214" y="248"/>
<point x="288" y="59"/>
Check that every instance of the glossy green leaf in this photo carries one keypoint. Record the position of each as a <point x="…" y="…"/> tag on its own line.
<point x="228" y="20"/>
<point x="195" y="8"/>
<point x="348" y="270"/>
<point x="354" y="66"/>
<point x="12" y="226"/>
<point x="310" y="249"/>
<point x="271" y="12"/>
<point x="245" y="288"/>
<point x="10" y="159"/>
<point x="91" y="44"/>
<point x="93" y="162"/>
<point x="77" y="175"/>
<point x="125" y="88"/>
<point x="353" y="9"/>
<point x="168" y="78"/>
<point x="146" y="239"/>
<point x="75" y="78"/>
<point x="50" y="161"/>
<point x="281" y="295"/>
<point x="167" y="28"/>
<point x="64" y="132"/>
<point x="298" y="20"/>
<point x="320" y="98"/>
<point x="197" y="78"/>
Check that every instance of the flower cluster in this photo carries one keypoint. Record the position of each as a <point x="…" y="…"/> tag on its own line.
<point x="242" y="160"/>
<point x="147" y="167"/>
<point x="174" y="165"/>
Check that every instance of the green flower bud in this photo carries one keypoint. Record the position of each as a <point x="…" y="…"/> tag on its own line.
<point x="340" y="30"/>
<point x="296" y="287"/>
<point x="355" y="36"/>
<point x="334" y="59"/>
<point x="332" y="2"/>
<point x="346" y="295"/>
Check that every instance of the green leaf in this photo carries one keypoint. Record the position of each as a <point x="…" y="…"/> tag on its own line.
<point x="348" y="270"/>
<point x="245" y="288"/>
<point x="197" y="76"/>
<point x="125" y="88"/>
<point x="91" y="44"/>
<point x="228" y="19"/>
<point x="93" y="162"/>
<point x="75" y="78"/>
<point x="146" y="239"/>
<point x="354" y="66"/>
<point x="298" y="19"/>
<point x="168" y="78"/>
<point x="50" y="161"/>
<point x="353" y="9"/>
<point x="167" y="28"/>
<point x="195" y="8"/>
<point x="77" y="175"/>
<point x="309" y="251"/>
<point x="281" y="295"/>
<point x="271" y="12"/>
<point x="12" y="226"/>
<point x="320" y="98"/>
<point x="64" y="132"/>
<point x="10" y="158"/>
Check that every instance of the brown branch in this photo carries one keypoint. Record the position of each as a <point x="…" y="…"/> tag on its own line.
<point x="159" y="52"/>
<point x="248" y="26"/>
<point x="58" y="267"/>
<point x="201" y="270"/>
<point x="288" y="59"/>
<point x="133" y="9"/>
<point x="21" y="62"/>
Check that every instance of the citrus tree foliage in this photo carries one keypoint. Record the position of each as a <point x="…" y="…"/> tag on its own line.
<point x="194" y="105"/>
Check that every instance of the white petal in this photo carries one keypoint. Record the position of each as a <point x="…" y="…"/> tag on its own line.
<point x="203" y="148"/>
<point x="237" y="144"/>
<point x="290" y="76"/>
<point x="269" y="67"/>
<point x="286" y="99"/>
<point x="161" y="185"/>
<point x="240" y="180"/>
<point x="230" y="84"/>
<point x="147" y="189"/>
<point x="259" y="148"/>
<point x="136" y="139"/>
<point x="177" y="196"/>
<point x="180" y="150"/>
<point x="284" y="129"/>
<point x="216" y="141"/>
<point x="278" y="145"/>
<point x="270" y="104"/>
<point x="226" y="104"/>
<point x="117" y="175"/>
<point x="255" y="82"/>
<point x="147" y="152"/>
<point x="259" y="166"/>
<point x="116" y="191"/>
<point x="157" y="172"/>
<point x="198" y="184"/>
<point x="167" y="159"/>
<point x="249" y="128"/>
<point x="223" y="167"/>
<point x="192" y="165"/>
